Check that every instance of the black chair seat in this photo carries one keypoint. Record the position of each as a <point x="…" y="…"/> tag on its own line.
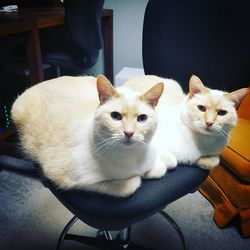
<point x="115" y="213"/>
<point x="68" y="55"/>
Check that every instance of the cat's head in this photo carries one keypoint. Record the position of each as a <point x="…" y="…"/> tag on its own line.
<point x="211" y="111"/>
<point x="125" y="117"/>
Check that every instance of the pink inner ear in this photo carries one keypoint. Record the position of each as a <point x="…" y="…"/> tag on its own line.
<point x="195" y="90"/>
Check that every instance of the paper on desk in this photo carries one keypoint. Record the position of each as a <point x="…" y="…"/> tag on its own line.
<point x="9" y="8"/>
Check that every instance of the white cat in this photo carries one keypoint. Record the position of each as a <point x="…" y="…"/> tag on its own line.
<point x="82" y="141"/>
<point x="193" y="128"/>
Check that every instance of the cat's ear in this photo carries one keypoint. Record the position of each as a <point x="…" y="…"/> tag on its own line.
<point x="105" y="89"/>
<point x="196" y="86"/>
<point x="237" y="96"/>
<point x="152" y="96"/>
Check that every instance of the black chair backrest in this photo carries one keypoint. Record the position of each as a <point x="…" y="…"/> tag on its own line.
<point x="83" y="22"/>
<point x="83" y="26"/>
<point x="208" y="38"/>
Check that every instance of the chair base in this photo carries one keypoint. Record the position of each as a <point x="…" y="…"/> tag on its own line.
<point x="106" y="244"/>
<point x="104" y="240"/>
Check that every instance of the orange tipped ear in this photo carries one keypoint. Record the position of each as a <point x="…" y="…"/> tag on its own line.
<point x="237" y="96"/>
<point x="196" y="86"/>
<point x="105" y="89"/>
<point x="152" y="96"/>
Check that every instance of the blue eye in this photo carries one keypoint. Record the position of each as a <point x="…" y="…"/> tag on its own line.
<point x="221" y="112"/>
<point x="116" y="115"/>
<point x="202" y="108"/>
<point x="142" y="118"/>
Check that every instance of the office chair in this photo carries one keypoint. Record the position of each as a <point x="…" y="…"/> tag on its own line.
<point x="78" y="49"/>
<point x="180" y="38"/>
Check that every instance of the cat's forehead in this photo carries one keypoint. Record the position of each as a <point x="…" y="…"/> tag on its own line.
<point x="127" y="93"/>
<point x="129" y="102"/>
<point x="212" y="97"/>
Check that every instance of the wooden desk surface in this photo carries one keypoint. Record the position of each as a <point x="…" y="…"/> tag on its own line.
<point x="19" y="21"/>
<point x="30" y="20"/>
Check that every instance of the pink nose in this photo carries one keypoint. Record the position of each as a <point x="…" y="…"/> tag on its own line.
<point x="128" y="134"/>
<point x="209" y="124"/>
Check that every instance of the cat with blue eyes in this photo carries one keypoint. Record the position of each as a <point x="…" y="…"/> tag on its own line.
<point x="86" y="134"/>
<point x="193" y="128"/>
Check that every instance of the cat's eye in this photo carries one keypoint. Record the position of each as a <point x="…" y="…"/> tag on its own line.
<point x="142" y="118"/>
<point x="116" y="115"/>
<point x="202" y="108"/>
<point x="221" y="112"/>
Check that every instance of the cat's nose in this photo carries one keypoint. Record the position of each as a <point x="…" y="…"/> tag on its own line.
<point x="128" y="134"/>
<point x="209" y="124"/>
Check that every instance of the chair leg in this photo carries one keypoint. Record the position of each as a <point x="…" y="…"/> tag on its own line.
<point x="104" y="234"/>
<point x="224" y="210"/>
<point x="64" y="232"/>
<point x="176" y="227"/>
<point x="245" y="223"/>
<point x="124" y="237"/>
<point x="58" y="71"/>
<point x="124" y="241"/>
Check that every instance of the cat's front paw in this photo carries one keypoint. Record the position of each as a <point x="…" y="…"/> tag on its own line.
<point x="208" y="162"/>
<point x="129" y="186"/>
<point x="157" y="171"/>
<point x="169" y="160"/>
<point x="119" y="187"/>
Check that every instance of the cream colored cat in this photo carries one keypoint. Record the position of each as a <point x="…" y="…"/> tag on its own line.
<point x="82" y="141"/>
<point x="193" y="128"/>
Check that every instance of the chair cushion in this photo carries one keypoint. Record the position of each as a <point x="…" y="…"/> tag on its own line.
<point x="243" y="110"/>
<point x="114" y="213"/>
<point x="237" y="154"/>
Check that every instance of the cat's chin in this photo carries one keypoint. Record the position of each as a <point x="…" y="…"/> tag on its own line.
<point x="130" y="143"/>
<point x="204" y="131"/>
<point x="207" y="131"/>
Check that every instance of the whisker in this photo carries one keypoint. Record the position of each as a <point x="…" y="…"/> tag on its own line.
<point x="106" y="145"/>
<point x="222" y="131"/>
<point x="102" y="144"/>
<point x="144" y="141"/>
<point x="110" y="146"/>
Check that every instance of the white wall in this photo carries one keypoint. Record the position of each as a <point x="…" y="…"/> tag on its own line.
<point x="127" y="24"/>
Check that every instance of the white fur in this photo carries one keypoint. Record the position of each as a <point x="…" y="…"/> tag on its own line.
<point x="182" y="135"/>
<point x="64" y="129"/>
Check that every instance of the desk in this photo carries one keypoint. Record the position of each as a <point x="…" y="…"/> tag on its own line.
<point x="30" y="20"/>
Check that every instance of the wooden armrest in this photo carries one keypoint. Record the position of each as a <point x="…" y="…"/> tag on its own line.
<point x="244" y="108"/>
